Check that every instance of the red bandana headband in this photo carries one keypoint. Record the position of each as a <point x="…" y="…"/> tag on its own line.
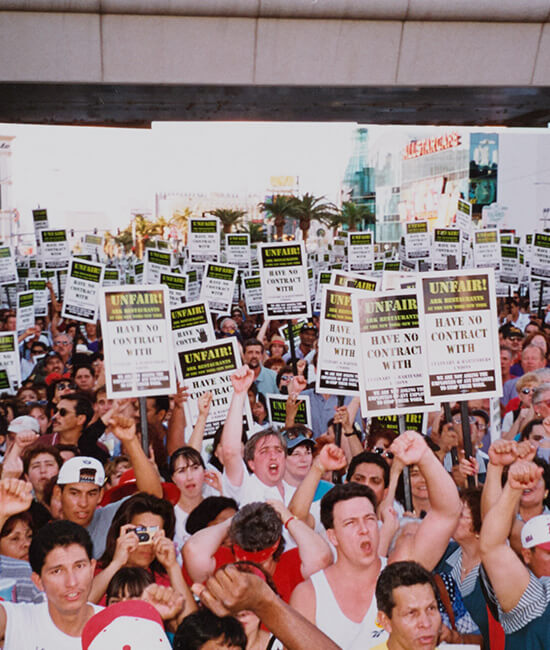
<point x="254" y="556"/>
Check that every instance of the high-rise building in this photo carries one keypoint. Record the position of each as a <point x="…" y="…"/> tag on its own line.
<point x="8" y="214"/>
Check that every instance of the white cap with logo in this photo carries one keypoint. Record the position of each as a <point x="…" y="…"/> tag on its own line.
<point x="536" y="532"/>
<point x="81" y="469"/>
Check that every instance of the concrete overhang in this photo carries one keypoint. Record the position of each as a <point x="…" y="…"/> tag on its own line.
<point x="128" y="62"/>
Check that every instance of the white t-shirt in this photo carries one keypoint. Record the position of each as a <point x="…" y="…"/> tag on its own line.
<point x="180" y="533"/>
<point x="252" y="490"/>
<point x="30" y="627"/>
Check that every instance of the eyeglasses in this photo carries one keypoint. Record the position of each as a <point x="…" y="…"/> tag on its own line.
<point x="458" y="420"/>
<point x="546" y="402"/>
<point x="62" y="385"/>
<point x="62" y="343"/>
<point x="526" y="391"/>
<point x="63" y="412"/>
<point x="382" y="452"/>
<point x="40" y="402"/>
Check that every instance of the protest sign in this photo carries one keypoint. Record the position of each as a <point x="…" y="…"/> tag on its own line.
<point x="509" y="270"/>
<point x="391" y="346"/>
<point x="446" y="243"/>
<point x="156" y="262"/>
<point x="193" y="285"/>
<point x="137" y="341"/>
<point x="209" y="368"/>
<point x="338" y="354"/>
<point x="9" y="357"/>
<point x="218" y="285"/>
<point x="8" y="268"/>
<point x="139" y="272"/>
<point x="398" y="280"/>
<point x="191" y="327"/>
<point x="458" y="318"/>
<point x="54" y="249"/>
<point x="417" y="240"/>
<point x="5" y="383"/>
<point x="92" y="244"/>
<point x="413" y="422"/>
<point x="296" y="328"/>
<point x="176" y="283"/>
<point x="353" y="281"/>
<point x="40" y="221"/>
<point x="276" y="410"/>
<point x="203" y="241"/>
<point x="285" y="286"/>
<point x="81" y="297"/>
<point x="487" y="249"/>
<point x="360" y="251"/>
<point x="253" y="294"/>
<point x="40" y="296"/>
<point x="111" y="277"/>
<point x="323" y="279"/>
<point x="540" y="256"/>
<point x="237" y="250"/>
<point x="25" y="310"/>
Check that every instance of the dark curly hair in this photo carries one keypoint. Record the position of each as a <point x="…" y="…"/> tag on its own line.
<point x="343" y="493"/>
<point x="137" y="505"/>
<point x="257" y="526"/>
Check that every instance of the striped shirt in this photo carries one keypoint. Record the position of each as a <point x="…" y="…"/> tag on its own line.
<point x="467" y="585"/>
<point x="20" y="571"/>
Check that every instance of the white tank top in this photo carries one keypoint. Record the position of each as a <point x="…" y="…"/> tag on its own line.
<point x="346" y="633"/>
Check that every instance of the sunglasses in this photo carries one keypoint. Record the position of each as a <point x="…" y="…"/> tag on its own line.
<point x="63" y="412"/>
<point x="40" y="402"/>
<point x="292" y="435"/>
<point x="382" y="452"/>
<point x="64" y="384"/>
<point x="287" y="377"/>
<point x="62" y="343"/>
<point x="526" y="391"/>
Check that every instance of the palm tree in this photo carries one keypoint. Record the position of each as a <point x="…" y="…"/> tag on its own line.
<point x="278" y="208"/>
<point x="228" y="217"/>
<point x="355" y="215"/>
<point x="334" y="222"/>
<point x="313" y="208"/>
<point x="256" y="231"/>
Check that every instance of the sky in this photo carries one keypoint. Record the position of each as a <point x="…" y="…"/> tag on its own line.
<point x="94" y="177"/>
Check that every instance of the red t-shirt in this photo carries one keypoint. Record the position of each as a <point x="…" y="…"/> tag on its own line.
<point x="287" y="573"/>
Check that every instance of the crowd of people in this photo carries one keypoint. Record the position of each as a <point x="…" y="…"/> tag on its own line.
<point x="345" y="533"/>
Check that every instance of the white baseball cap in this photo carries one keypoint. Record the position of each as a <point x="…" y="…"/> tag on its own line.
<point x="24" y="423"/>
<point x="81" y="469"/>
<point x="536" y="532"/>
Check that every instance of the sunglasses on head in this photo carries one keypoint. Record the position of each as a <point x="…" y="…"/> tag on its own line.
<point x="291" y="435"/>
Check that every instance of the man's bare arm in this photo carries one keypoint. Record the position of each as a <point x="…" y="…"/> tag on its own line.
<point x="509" y="576"/>
<point x="230" y="591"/>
